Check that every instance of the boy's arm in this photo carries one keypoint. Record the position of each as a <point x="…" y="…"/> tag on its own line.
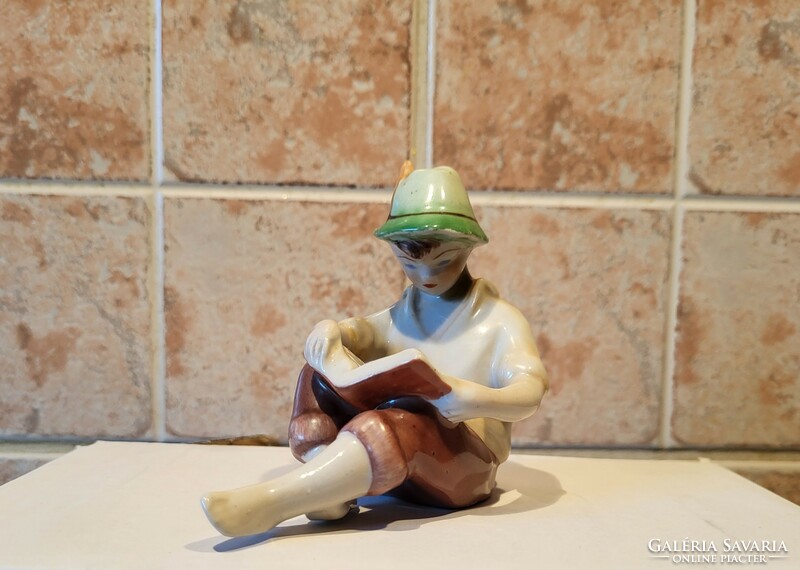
<point x="511" y="403"/>
<point x="519" y="380"/>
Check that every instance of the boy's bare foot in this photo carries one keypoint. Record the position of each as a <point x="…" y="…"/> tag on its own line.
<point x="240" y="512"/>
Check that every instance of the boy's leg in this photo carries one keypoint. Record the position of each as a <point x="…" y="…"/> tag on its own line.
<point x="424" y="457"/>
<point x="337" y="475"/>
<point x="336" y="471"/>
<point x="318" y="415"/>
<point x="431" y="460"/>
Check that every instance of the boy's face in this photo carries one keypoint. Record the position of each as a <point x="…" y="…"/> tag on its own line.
<point x="436" y="271"/>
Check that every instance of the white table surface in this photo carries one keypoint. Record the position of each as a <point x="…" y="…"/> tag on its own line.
<point x="136" y="505"/>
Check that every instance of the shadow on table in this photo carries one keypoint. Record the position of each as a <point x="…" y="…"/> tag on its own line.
<point x="519" y="489"/>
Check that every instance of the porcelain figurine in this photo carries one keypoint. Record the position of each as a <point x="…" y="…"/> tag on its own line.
<point x="416" y="399"/>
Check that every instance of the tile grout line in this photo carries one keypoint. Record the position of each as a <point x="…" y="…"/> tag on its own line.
<point x="382" y="195"/>
<point x="665" y="439"/>
<point x="430" y="87"/>
<point x="157" y="100"/>
<point x="769" y="204"/>
<point x="38" y="188"/>
<point x="157" y="323"/>
<point x="741" y="204"/>
<point x="419" y="74"/>
<point x="570" y="200"/>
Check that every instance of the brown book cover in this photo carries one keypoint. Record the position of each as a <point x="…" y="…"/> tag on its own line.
<point x="412" y="378"/>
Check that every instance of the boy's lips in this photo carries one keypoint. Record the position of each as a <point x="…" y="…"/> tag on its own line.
<point x="429" y="285"/>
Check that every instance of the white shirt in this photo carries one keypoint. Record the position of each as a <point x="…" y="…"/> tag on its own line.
<point x="484" y="340"/>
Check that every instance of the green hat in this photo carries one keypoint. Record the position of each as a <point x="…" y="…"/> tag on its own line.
<point x="431" y="200"/>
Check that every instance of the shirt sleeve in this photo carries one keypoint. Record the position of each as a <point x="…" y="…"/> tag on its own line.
<point x="515" y="352"/>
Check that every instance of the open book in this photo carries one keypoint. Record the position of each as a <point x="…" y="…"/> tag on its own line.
<point x="406" y="373"/>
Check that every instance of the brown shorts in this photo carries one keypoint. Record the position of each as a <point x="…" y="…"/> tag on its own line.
<point x="414" y="451"/>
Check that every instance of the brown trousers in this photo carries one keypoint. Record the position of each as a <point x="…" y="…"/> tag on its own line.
<point x="414" y="452"/>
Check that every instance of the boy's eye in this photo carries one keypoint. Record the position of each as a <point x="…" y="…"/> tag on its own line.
<point x="443" y="263"/>
<point x="408" y="266"/>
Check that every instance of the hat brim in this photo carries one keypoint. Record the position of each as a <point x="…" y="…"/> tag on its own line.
<point x="402" y="227"/>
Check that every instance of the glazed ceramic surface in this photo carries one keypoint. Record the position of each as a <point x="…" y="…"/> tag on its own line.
<point x="416" y="399"/>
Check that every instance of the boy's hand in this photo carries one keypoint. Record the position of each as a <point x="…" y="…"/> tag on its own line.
<point x="322" y="343"/>
<point x="460" y="403"/>
<point x="325" y="353"/>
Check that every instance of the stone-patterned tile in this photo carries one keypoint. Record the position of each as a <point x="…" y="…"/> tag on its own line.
<point x="737" y="378"/>
<point x="595" y="300"/>
<point x="13" y="467"/>
<point x="74" y="92"/>
<point x="74" y="316"/>
<point x="785" y="483"/>
<point x="274" y="91"/>
<point x="745" y="125"/>
<point x="568" y="95"/>
<point x="246" y="281"/>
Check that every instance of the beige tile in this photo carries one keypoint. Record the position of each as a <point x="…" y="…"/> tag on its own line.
<point x="568" y="95"/>
<point x="737" y="379"/>
<point x="245" y="283"/>
<point x="11" y="468"/>
<point x="74" y="316"/>
<point x="592" y="285"/>
<point x="785" y="483"/>
<point x="74" y="89"/>
<point x="745" y="124"/>
<point x="269" y="91"/>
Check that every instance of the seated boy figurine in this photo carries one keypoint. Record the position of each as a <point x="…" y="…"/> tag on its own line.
<point x="416" y="399"/>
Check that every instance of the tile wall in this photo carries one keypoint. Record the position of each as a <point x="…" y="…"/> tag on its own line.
<point x="187" y="187"/>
